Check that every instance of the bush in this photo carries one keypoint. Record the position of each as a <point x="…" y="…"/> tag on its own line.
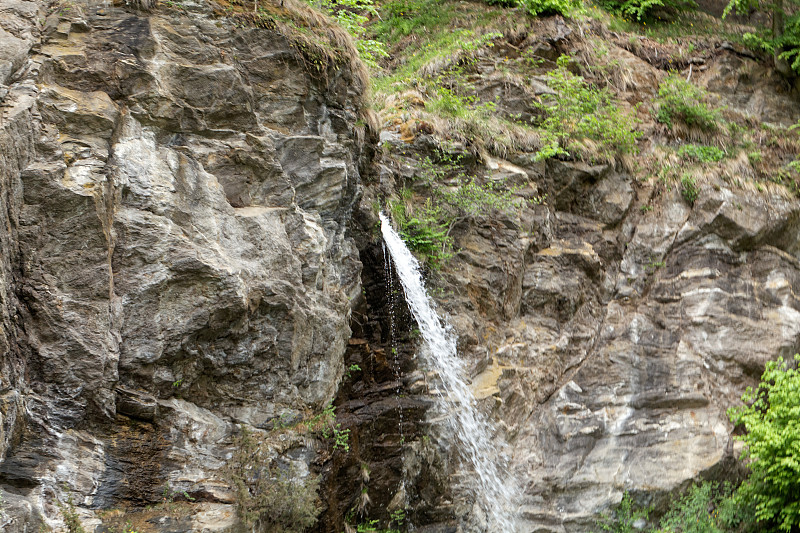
<point x="679" y="100"/>
<point x="270" y="498"/>
<point x="772" y="419"/>
<point x="352" y="15"/>
<point x="647" y="9"/>
<point x="453" y="196"/>
<point x="689" y="189"/>
<point x="425" y="232"/>
<point x="581" y="112"/>
<point x="701" y="153"/>
<point x="550" y="7"/>
<point x="624" y="518"/>
<point x="707" y="508"/>
<point x="71" y="519"/>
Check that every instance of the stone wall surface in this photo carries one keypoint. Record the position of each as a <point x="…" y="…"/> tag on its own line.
<point x="174" y="190"/>
<point x="610" y="327"/>
<point x="182" y="235"/>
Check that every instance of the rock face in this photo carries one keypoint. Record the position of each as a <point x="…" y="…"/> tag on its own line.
<point x="616" y="339"/>
<point x="610" y="329"/>
<point x="175" y="189"/>
<point x="178" y="191"/>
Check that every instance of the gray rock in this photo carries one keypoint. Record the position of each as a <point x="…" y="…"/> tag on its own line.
<point x="175" y="191"/>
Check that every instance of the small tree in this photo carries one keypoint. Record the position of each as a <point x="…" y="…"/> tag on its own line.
<point x="772" y="419"/>
<point x="782" y="39"/>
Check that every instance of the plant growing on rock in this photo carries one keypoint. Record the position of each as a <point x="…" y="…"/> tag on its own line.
<point x="425" y="231"/>
<point x="324" y="425"/>
<point x="781" y="39"/>
<point x="647" y="9"/>
<point x="680" y="101"/>
<point x="70" y="516"/>
<point x="701" y="153"/>
<point x="709" y="507"/>
<point x="624" y="517"/>
<point x="771" y="415"/>
<point x="353" y="15"/>
<point x="582" y="119"/>
<point x="270" y="498"/>
<point x="689" y="189"/>
<point x="551" y="7"/>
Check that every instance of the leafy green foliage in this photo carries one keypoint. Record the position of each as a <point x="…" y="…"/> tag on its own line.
<point x="324" y="424"/>
<point x="551" y="7"/>
<point x="786" y="42"/>
<point x="679" y="100"/>
<point x="647" y="9"/>
<point x="353" y="15"/>
<point x="689" y="189"/>
<point x="270" y="498"/>
<point x="625" y="516"/>
<point x="453" y="196"/>
<point x="772" y="419"/>
<point x="707" y="508"/>
<point x="701" y="153"/>
<point x="579" y="112"/>
<point x="70" y="516"/>
<point x="373" y="526"/>
<point x="447" y="102"/>
<point x="425" y="232"/>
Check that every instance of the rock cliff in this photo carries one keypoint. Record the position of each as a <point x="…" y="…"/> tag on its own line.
<point x="610" y="327"/>
<point x="188" y="256"/>
<point x="175" y="190"/>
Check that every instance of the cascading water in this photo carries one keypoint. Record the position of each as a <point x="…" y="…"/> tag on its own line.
<point x="495" y="493"/>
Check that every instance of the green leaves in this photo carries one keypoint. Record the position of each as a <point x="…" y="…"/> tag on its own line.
<point x="679" y="100"/>
<point x="551" y="7"/>
<point x="624" y="518"/>
<point x="580" y="112"/>
<point x="352" y="15"/>
<point x="646" y="9"/>
<point x="701" y="153"/>
<point x="772" y="418"/>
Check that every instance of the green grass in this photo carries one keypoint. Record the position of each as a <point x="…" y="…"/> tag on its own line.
<point x="677" y="28"/>
<point x="701" y="153"/>
<point x="681" y="101"/>
<point x="400" y="18"/>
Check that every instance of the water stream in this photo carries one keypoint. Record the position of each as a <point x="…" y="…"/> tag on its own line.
<point x="495" y="490"/>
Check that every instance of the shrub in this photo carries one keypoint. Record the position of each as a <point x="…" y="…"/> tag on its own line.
<point x="352" y="16"/>
<point x="270" y="498"/>
<point x="679" y="100"/>
<point x="425" y="232"/>
<point x="709" y="507"/>
<point x="624" y="518"/>
<point x="551" y="7"/>
<point x="701" y="153"/>
<point x="772" y="419"/>
<point x="446" y="102"/>
<point x="71" y="519"/>
<point x="582" y="112"/>
<point x="689" y="189"/>
<point x="325" y="426"/>
<point x="647" y="9"/>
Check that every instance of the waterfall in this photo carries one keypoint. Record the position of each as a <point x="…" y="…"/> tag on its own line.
<point x="495" y="492"/>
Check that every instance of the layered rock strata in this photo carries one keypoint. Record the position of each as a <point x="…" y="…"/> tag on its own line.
<point x="174" y="188"/>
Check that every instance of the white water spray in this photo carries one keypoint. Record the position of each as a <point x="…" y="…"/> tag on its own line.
<point x="495" y="493"/>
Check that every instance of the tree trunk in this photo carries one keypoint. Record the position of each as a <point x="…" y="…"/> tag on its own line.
<point x="781" y="65"/>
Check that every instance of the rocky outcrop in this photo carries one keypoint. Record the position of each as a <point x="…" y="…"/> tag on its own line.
<point x="175" y="189"/>
<point x="178" y="190"/>
<point x="610" y="327"/>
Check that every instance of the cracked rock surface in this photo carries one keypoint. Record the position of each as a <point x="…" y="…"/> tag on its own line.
<point x="174" y="191"/>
